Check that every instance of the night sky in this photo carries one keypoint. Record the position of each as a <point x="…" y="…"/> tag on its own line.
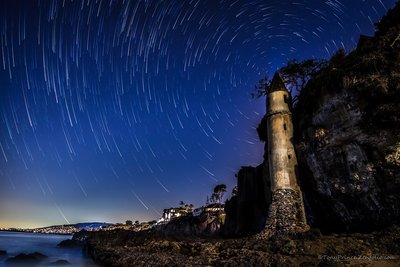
<point x="115" y="110"/>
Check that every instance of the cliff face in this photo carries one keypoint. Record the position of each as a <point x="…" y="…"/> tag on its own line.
<point x="246" y="212"/>
<point x="348" y="136"/>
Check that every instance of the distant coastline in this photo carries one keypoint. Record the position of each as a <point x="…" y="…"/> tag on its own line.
<point x="30" y="231"/>
<point x="65" y="229"/>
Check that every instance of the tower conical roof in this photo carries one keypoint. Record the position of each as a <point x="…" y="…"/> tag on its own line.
<point x="277" y="84"/>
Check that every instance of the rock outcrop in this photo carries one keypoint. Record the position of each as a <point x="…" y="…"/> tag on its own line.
<point x="22" y="258"/>
<point x="77" y="240"/>
<point x="254" y="198"/>
<point x="60" y="263"/>
<point x="246" y="213"/>
<point x="348" y="136"/>
<point x="68" y="243"/>
<point x="207" y="224"/>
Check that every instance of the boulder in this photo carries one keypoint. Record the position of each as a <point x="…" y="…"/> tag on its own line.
<point x="23" y="258"/>
<point x="60" y="262"/>
<point x="68" y="243"/>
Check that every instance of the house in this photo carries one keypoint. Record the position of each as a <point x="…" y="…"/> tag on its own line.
<point x="171" y="213"/>
<point x="214" y="208"/>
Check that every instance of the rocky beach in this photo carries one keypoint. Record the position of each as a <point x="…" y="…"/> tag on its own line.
<point x="153" y="248"/>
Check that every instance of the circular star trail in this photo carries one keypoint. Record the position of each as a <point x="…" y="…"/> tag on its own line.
<point x="114" y="110"/>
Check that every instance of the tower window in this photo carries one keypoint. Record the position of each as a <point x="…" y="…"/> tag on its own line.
<point x="284" y="126"/>
<point x="285" y="99"/>
<point x="289" y="156"/>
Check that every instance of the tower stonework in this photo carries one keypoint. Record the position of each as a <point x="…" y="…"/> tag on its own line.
<point x="286" y="213"/>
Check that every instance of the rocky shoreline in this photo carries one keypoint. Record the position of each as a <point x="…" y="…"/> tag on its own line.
<point x="154" y="248"/>
<point x="31" y="259"/>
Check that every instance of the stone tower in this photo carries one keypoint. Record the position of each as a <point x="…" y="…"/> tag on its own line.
<point x="286" y="213"/>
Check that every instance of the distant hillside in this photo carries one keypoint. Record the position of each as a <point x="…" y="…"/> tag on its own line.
<point x="68" y="228"/>
<point x="93" y="225"/>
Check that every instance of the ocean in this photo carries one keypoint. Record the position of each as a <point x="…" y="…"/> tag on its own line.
<point x="15" y="243"/>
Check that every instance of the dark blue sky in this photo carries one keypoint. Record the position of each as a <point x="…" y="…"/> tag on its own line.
<point x="114" y="110"/>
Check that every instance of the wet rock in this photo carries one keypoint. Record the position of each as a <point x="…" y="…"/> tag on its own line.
<point x="60" y="263"/>
<point x="68" y="243"/>
<point x="81" y="236"/>
<point x="23" y="258"/>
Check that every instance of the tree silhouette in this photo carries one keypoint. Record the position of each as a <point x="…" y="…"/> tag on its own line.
<point x="187" y="207"/>
<point x="235" y="191"/>
<point x="262" y="87"/>
<point x="295" y="74"/>
<point x="207" y="201"/>
<point x="218" y="193"/>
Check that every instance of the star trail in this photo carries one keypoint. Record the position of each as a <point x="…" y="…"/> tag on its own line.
<point x="114" y="110"/>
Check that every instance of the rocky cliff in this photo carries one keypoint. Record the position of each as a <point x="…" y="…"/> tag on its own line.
<point x="207" y="224"/>
<point x="348" y="135"/>
<point x="246" y="212"/>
